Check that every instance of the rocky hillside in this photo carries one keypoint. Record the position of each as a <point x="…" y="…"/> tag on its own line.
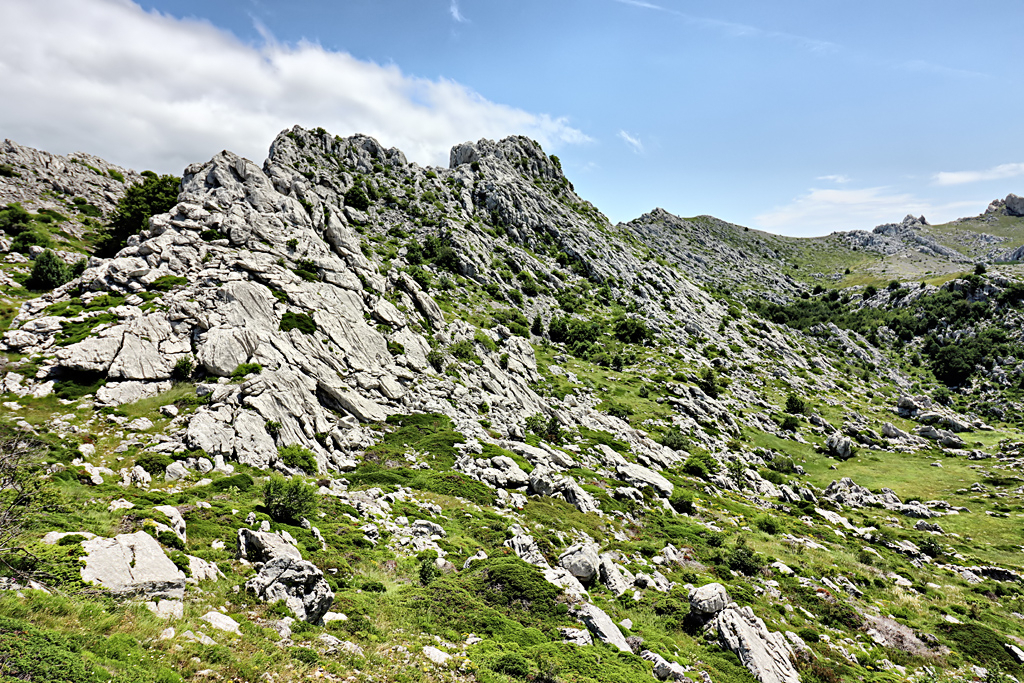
<point x="347" y="418"/>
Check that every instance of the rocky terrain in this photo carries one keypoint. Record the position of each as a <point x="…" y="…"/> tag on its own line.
<point x="344" y="417"/>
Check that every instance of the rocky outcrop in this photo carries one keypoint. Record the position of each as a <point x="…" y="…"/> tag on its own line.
<point x="602" y="626"/>
<point x="1014" y="205"/>
<point x="131" y="565"/>
<point x="767" y="655"/>
<point x="300" y="584"/>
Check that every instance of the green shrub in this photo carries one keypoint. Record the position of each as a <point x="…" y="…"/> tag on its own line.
<point x="31" y="238"/>
<point x="298" y="321"/>
<point x="743" y="560"/>
<point x="701" y="464"/>
<point x="170" y="539"/>
<point x="166" y="283"/>
<point x="156" y="194"/>
<point x="31" y="654"/>
<point x="768" y="524"/>
<point x="183" y="368"/>
<point x="304" y="655"/>
<point x="511" y="664"/>
<point x="82" y="384"/>
<point x="115" y="174"/>
<point x="790" y="423"/>
<point x="273" y="427"/>
<point x="154" y="463"/>
<point x="288" y="500"/>
<point x="809" y="635"/>
<point x="485" y="341"/>
<point x="463" y="350"/>
<point x="708" y="382"/>
<point x="795" y="405"/>
<point x="48" y="272"/>
<point x="297" y="457"/>
<point x="245" y="369"/>
<point x="675" y="440"/>
<point x="356" y="198"/>
<point x="307" y="270"/>
<point x="241" y="481"/>
<point x="631" y="331"/>
<point x="682" y="501"/>
<point x="436" y="359"/>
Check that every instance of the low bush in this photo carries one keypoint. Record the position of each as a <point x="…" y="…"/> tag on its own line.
<point x="245" y="369"/>
<point x="183" y="368"/>
<point x="48" y="272"/>
<point x="701" y="464"/>
<point x="297" y="321"/>
<point x="288" y="500"/>
<point x="154" y="463"/>
<point x="166" y="283"/>
<point x="297" y="457"/>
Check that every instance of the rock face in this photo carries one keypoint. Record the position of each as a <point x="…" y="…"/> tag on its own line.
<point x="1014" y="205"/>
<point x="602" y="626"/>
<point x="709" y="600"/>
<point x="582" y="561"/>
<point x="299" y="583"/>
<point x="767" y="655"/>
<point x="284" y="575"/>
<point x="132" y="564"/>
<point x="839" y="446"/>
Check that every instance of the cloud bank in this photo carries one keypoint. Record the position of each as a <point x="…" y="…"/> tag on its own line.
<point x="821" y="211"/>
<point x="1000" y="172"/>
<point x="147" y="90"/>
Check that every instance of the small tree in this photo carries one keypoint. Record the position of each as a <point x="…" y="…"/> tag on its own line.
<point x="20" y="487"/>
<point x="48" y="272"/>
<point x="795" y="405"/>
<point x="288" y="500"/>
<point x="156" y="194"/>
<point x="708" y="382"/>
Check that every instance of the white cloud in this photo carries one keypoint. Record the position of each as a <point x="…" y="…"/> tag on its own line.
<point x="148" y="90"/>
<point x="840" y="179"/>
<point x="819" y="212"/>
<point x="632" y="140"/>
<point x="1000" y="172"/>
<point x="453" y="9"/>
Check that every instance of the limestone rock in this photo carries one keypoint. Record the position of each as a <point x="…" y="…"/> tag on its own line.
<point x="767" y="655"/>
<point x="641" y="476"/>
<point x="263" y="546"/>
<point x="221" y="622"/>
<point x="581" y="561"/>
<point x="132" y="564"/>
<point x="299" y="583"/>
<point x="602" y="626"/>
<point x="708" y="600"/>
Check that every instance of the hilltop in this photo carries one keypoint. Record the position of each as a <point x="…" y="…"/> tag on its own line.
<point x="343" y="416"/>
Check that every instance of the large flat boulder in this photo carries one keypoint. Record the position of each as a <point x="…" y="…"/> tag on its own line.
<point x="132" y="564"/>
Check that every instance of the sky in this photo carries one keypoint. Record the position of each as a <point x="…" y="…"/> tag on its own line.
<point x="800" y="117"/>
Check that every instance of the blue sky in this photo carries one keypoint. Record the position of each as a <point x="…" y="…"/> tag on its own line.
<point x="799" y="117"/>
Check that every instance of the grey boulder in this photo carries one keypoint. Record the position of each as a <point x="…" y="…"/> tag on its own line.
<point x="582" y="561"/>
<point x="300" y="584"/>
<point x="132" y="564"/>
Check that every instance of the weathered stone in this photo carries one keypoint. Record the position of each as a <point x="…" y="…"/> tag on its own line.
<point x="299" y="583"/>
<point x="767" y="655"/>
<point x="132" y="564"/>
<point x="708" y="600"/>
<point x="262" y="546"/>
<point x="581" y="561"/>
<point x="601" y="625"/>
